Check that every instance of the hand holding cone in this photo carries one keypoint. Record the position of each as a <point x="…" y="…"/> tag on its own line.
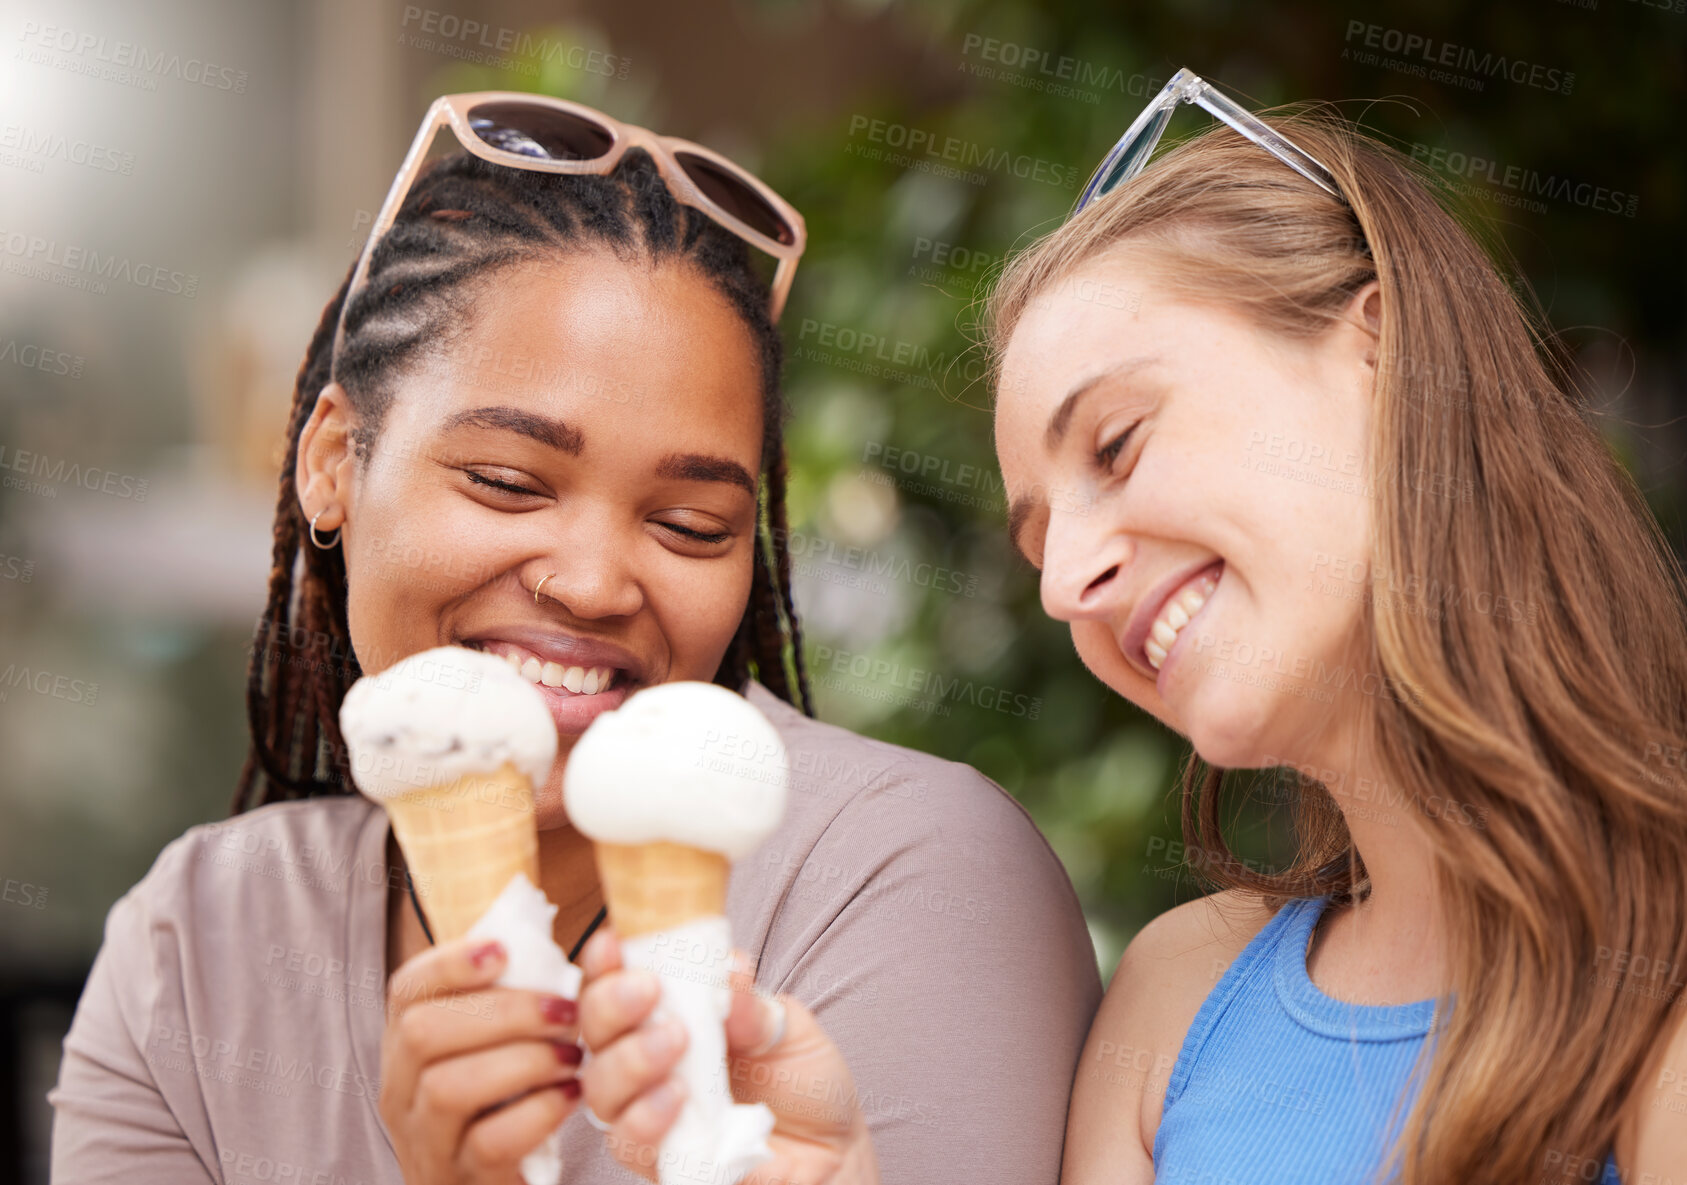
<point x="672" y="786"/>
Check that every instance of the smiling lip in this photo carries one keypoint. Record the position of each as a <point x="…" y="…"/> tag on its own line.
<point x="1148" y="608"/>
<point x="572" y="711"/>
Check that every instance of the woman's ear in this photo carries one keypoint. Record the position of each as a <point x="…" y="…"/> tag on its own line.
<point x="325" y="473"/>
<point x="1364" y="312"/>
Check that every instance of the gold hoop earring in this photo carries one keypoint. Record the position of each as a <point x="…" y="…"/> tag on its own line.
<point x="541" y="585"/>
<point x="332" y="543"/>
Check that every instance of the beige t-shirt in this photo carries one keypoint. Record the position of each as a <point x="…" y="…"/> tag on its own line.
<point x="230" y="1029"/>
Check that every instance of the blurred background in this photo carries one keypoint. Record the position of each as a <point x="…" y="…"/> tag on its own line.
<point x="182" y="185"/>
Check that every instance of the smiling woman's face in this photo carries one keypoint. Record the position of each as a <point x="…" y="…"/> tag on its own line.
<point x="596" y="425"/>
<point x="1193" y="491"/>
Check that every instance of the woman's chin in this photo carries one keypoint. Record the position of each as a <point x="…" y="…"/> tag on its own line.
<point x="1229" y="731"/>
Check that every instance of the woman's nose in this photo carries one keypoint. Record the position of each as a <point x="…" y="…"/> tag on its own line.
<point x="1083" y="559"/>
<point x="594" y="573"/>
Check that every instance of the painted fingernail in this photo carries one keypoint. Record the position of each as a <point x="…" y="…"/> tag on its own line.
<point x="571" y="1088"/>
<point x="567" y="1052"/>
<point x="558" y="1010"/>
<point x="486" y="952"/>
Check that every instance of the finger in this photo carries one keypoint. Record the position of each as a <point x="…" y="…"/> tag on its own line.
<point x="495" y="1143"/>
<point x="622" y="1071"/>
<point x="636" y="1140"/>
<point x="602" y="954"/>
<point x="458" y="966"/>
<point x="615" y="1005"/>
<point x="450" y="1093"/>
<point x="757" y="1022"/>
<point x="462" y="1021"/>
<point x="456" y="1023"/>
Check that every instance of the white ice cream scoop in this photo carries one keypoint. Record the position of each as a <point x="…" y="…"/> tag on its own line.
<point x="683" y="763"/>
<point x="440" y="714"/>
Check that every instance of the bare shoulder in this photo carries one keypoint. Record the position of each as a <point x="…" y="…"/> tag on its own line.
<point x="1185" y="950"/>
<point x="1167" y="971"/>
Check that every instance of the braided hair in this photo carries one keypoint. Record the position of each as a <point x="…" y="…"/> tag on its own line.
<point x="463" y="219"/>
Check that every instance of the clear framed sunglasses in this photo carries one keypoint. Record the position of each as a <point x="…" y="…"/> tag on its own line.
<point x="548" y="135"/>
<point x="1130" y="155"/>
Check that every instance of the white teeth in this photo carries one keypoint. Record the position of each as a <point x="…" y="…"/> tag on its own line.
<point x="579" y="680"/>
<point x="1180" y="607"/>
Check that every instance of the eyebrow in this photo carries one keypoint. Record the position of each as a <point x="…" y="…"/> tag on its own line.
<point x="1023" y="507"/>
<point x="547" y="430"/>
<point x="697" y="467"/>
<point x="1019" y="513"/>
<point x="1062" y="417"/>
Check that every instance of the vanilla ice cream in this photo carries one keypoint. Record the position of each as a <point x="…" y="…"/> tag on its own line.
<point x="440" y="714"/>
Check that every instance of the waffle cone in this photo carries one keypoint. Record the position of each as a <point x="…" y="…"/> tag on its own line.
<point x="463" y="841"/>
<point x="657" y="886"/>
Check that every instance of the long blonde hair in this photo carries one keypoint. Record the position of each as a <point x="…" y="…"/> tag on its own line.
<point x="1557" y="723"/>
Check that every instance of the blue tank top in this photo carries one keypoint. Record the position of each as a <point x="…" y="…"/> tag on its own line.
<point x="1278" y="1083"/>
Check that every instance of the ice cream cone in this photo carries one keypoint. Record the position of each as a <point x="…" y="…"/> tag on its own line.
<point x="463" y="841"/>
<point x="658" y="886"/>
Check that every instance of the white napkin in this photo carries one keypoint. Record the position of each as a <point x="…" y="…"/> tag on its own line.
<point x="521" y="919"/>
<point x="714" y="1141"/>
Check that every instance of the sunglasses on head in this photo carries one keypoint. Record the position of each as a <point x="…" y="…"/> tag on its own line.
<point x="1130" y="155"/>
<point x="547" y="135"/>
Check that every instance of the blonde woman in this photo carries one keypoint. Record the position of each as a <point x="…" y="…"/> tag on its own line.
<point x="1324" y="509"/>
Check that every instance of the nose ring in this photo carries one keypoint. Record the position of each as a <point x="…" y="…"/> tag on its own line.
<point x="541" y="585"/>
